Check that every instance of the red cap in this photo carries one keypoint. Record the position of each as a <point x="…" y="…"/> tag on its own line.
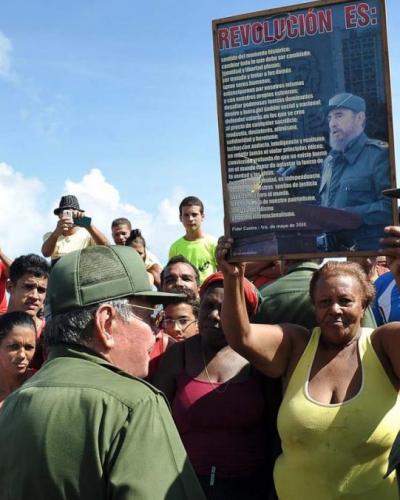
<point x="250" y="291"/>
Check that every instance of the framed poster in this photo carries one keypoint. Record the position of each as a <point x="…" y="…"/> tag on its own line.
<point x="306" y="138"/>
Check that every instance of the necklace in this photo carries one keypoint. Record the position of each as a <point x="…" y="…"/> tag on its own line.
<point x="216" y="386"/>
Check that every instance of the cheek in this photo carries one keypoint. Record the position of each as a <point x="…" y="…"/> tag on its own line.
<point x="192" y="330"/>
<point x="357" y="313"/>
<point x="18" y="293"/>
<point x="29" y="354"/>
<point x="145" y="338"/>
<point x="6" y="358"/>
<point x="319" y="314"/>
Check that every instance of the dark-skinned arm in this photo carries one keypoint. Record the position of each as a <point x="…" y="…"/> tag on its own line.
<point x="267" y="347"/>
<point x="97" y="235"/>
<point x="168" y="370"/>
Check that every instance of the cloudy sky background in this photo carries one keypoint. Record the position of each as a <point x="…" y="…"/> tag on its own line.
<point x="115" y="102"/>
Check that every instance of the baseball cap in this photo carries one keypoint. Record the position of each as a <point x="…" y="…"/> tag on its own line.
<point x="100" y="273"/>
<point x="251" y="293"/>
<point x="345" y="100"/>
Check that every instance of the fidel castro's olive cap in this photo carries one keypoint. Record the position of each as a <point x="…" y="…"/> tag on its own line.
<point x="97" y="274"/>
<point x="345" y="100"/>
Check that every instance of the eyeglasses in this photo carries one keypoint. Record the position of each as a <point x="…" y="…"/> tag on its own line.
<point x="180" y="323"/>
<point x="148" y="315"/>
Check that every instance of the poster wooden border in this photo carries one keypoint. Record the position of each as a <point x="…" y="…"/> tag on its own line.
<point x="222" y="142"/>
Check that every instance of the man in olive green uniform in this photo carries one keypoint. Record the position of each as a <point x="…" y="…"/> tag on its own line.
<point x="85" y="426"/>
<point x="354" y="174"/>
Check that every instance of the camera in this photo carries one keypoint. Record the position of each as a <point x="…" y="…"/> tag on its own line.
<point x="68" y="214"/>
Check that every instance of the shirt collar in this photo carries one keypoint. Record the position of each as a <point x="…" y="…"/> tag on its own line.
<point x="87" y="354"/>
<point x="79" y="351"/>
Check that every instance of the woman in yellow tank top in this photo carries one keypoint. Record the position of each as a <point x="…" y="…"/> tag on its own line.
<point x="341" y="410"/>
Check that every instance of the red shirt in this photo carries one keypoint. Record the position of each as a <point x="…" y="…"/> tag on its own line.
<point x="221" y="425"/>
<point x="3" y="281"/>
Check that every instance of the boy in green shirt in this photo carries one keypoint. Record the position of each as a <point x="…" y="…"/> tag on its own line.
<point x="198" y="247"/>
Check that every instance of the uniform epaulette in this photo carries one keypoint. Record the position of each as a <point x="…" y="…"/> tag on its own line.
<point x="378" y="143"/>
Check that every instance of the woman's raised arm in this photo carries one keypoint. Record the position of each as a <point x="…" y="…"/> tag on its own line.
<point x="267" y="347"/>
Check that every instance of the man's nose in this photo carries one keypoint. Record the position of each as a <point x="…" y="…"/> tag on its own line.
<point x="177" y="327"/>
<point x="215" y="314"/>
<point x="33" y="292"/>
<point x="332" y="123"/>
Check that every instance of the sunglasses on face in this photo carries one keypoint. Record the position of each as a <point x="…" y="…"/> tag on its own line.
<point x="146" y="314"/>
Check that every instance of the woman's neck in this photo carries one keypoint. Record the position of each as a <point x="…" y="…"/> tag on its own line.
<point x="210" y="350"/>
<point x="350" y="343"/>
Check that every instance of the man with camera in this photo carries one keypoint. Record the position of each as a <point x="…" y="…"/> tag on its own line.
<point x="74" y="231"/>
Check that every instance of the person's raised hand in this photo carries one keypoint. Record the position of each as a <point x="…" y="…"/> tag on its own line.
<point x="63" y="225"/>
<point x="223" y="250"/>
<point x="78" y="214"/>
<point x="390" y="246"/>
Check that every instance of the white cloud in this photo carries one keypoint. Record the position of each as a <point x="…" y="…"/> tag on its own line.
<point x="101" y="201"/>
<point x="25" y="215"/>
<point x="168" y="209"/>
<point x="22" y="224"/>
<point x="166" y="227"/>
<point x="5" y="59"/>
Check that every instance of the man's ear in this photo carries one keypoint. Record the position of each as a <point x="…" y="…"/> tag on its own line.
<point x="361" y="118"/>
<point x="9" y="286"/>
<point x="103" y="325"/>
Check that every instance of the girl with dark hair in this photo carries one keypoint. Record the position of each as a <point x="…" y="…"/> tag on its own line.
<point x="17" y="347"/>
<point x="153" y="268"/>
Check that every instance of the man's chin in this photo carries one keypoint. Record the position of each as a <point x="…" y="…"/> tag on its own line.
<point x="32" y="312"/>
<point x="337" y="144"/>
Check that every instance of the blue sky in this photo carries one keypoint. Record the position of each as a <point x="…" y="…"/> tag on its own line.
<point x="115" y="102"/>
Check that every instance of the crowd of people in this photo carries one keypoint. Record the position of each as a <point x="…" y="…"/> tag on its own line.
<point x="121" y="378"/>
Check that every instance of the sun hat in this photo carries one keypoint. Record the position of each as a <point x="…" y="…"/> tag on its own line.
<point x="250" y="291"/>
<point x="100" y="273"/>
<point x="68" y="201"/>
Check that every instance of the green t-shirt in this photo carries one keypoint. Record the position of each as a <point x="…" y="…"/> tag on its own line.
<point x="200" y="252"/>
